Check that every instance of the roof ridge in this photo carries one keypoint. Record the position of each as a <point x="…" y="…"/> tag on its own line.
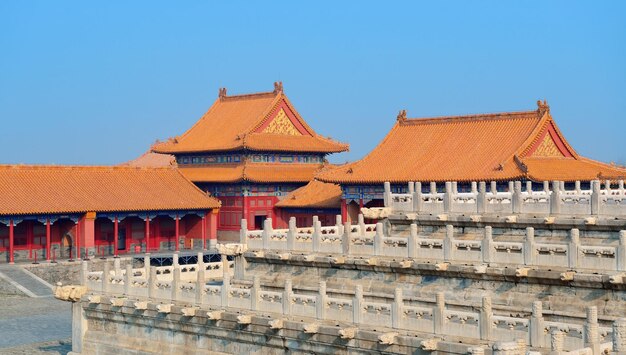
<point x="249" y="96"/>
<point x="471" y="117"/>
<point x="81" y="167"/>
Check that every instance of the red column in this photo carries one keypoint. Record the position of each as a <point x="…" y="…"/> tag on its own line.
<point x="177" y="231"/>
<point x="78" y="253"/>
<point x="213" y="227"/>
<point x="344" y="211"/>
<point x="11" y="238"/>
<point x="115" y="235"/>
<point x="147" y="234"/>
<point x="48" y="239"/>
<point x="204" y="231"/>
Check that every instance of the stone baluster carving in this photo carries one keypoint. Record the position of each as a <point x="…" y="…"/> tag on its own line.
<point x="361" y="225"/>
<point x="487" y="245"/>
<point x="116" y="267"/>
<point x="175" y="281"/>
<point x="537" y="326"/>
<point x="438" y="314"/>
<point x="557" y="342"/>
<point x="447" y="197"/>
<point x="621" y="251"/>
<point x="84" y="273"/>
<point x="378" y="239"/>
<point x="619" y="336"/>
<point x="225" y="292"/>
<point x="152" y="281"/>
<point x="517" y="197"/>
<point x="448" y="243"/>
<point x="555" y="198"/>
<point x="529" y="187"/>
<point x="572" y="248"/>
<point x="481" y="198"/>
<point x="339" y="224"/>
<point x="357" y="301"/>
<point x="595" y="197"/>
<point x="505" y="348"/>
<point x="387" y="195"/>
<point x="287" y="294"/>
<point x="397" y="309"/>
<point x="267" y="233"/>
<point x="591" y="330"/>
<point x="243" y="233"/>
<point x="146" y="263"/>
<point x="418" y="202"/>
<point x="411" y="187"/>
<point x="345" y="239"/>
<point x="493" y="187"/>
<point x="317" y="234"/>
<point x="200" y="261"/>
<point x="291" y="234"/>
<point x="577" y="187"/>
<point x="320" y="304"/>
<point x="546" y="187"/>
<point x="433" y="188"/>
<point x="529" y="247"/>
<point x="128" y="279"/>
<point x="255" y="293"/>
<point x="486" y="316"/>
<point x="412" y="242"/>
<point x="106" y="278"/>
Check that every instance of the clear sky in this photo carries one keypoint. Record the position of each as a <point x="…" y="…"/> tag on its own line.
<point x="96" y="82"/>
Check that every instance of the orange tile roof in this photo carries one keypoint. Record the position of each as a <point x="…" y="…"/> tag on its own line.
<point x="254" y="172"/>
<point x="241" y="122"/>
<point x="149" y="159"/>
<point x="500" y="146"/>
<point x="315" y="194"/>
<point x="26" y="189"/>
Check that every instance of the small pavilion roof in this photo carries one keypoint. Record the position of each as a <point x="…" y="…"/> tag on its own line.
<point x="253" y="172"/>
<point x="45" y="189"/>
<point x="315" y="194"/>
<point x="501" y="146"/>
<point x="259" y="122"/>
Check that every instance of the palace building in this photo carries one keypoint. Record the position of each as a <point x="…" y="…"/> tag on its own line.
<point x="250" y="151"/>
<point x="50" y="212"/>
<point x="526" y="146"/>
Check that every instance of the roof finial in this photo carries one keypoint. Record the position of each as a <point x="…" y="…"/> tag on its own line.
<point x="222" y="93"/>
<point x="278" y="87"/>
<point x="402" y="116"/>
<point x="543" y="107"/>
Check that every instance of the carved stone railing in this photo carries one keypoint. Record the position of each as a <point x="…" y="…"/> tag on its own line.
<point x="395" y="312"/>
<point x="604" y="256"/>
<point x="553" y="199"/>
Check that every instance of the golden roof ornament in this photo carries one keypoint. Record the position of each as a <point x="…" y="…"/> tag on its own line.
<point x="402" y="116"/>
<point x="542" y="107"/>
<point x="278" y="87"/>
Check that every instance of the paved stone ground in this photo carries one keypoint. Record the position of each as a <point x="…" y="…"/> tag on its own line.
<point x="34" y="325"/>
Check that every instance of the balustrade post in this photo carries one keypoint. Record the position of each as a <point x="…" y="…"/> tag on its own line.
<point x="412" y="242"/>
<point x="486" y="315"/>
<point x="146" y="263"/>
<point x="346" y="239"/>
<point x="493" y="187"/>
<point x="448" y="243"/>
<point x="339" y="224"/>
<point x="200" y="261"/>
<point x="152" y="281"/>
<point x="546" y="187"/>
<point x="291" y="234"/>
<point x="621" y="251"/>
<point x="267" y="233"/>
<point x="619" y="336"/>
<point x="243" y="232"/>
<point x="174" y="259"/>
<point x="84" y="273"/>
<point x="577" y="187"/>
<point x="557" y="341"/>
<point x="225" y="291"/>
<point x="106" y="281"/>
<point x="529" y="187"/>
<point x="537" y="326"/>
<point x="320" y="304"/>
<point x="595" y="197"/>
<point x="387" y="195"/>
<point x="418" y="203"/>
<point x="175" y="282"/>
<point x="356" y="304"/>
<point x="317" y="234"/>
<point x="411" y="188"/>
<point x="438" y="314"/>
<point x="447" y="197"/>
<point x="481" y="198"/>
<point x="128" y="279"/>
<point x="361" y="225"/>
<point x="555" y="198"/>
<point x="255" y="293"/>
<point x="517" y="197"/>
<point x="573" y="247"/>
<point x="397" y="309"/>
<point x="287" y="294"/>
<point x="591" y="330"/>
<point x="200" y="277"/>
<point x="239" y="264"/>
<point x="116" y="267"/>
<point x="378" y="239"/>
<point x="433" y="187"/>
<point x="487" y="245"/>
<point x="529" y="247"/>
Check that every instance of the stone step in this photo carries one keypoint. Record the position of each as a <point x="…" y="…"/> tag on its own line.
<point x="28" y="283"/>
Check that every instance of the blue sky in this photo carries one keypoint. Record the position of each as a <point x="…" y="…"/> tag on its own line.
<point x="96" y="82"/>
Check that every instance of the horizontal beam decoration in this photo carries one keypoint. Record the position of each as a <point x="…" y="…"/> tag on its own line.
<point x="516" y="250"/>
<point x="553" y="199"/>
<point x="40" y="218"/>
<point x="149" y="289"/>
<point x="152" y="214"/>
